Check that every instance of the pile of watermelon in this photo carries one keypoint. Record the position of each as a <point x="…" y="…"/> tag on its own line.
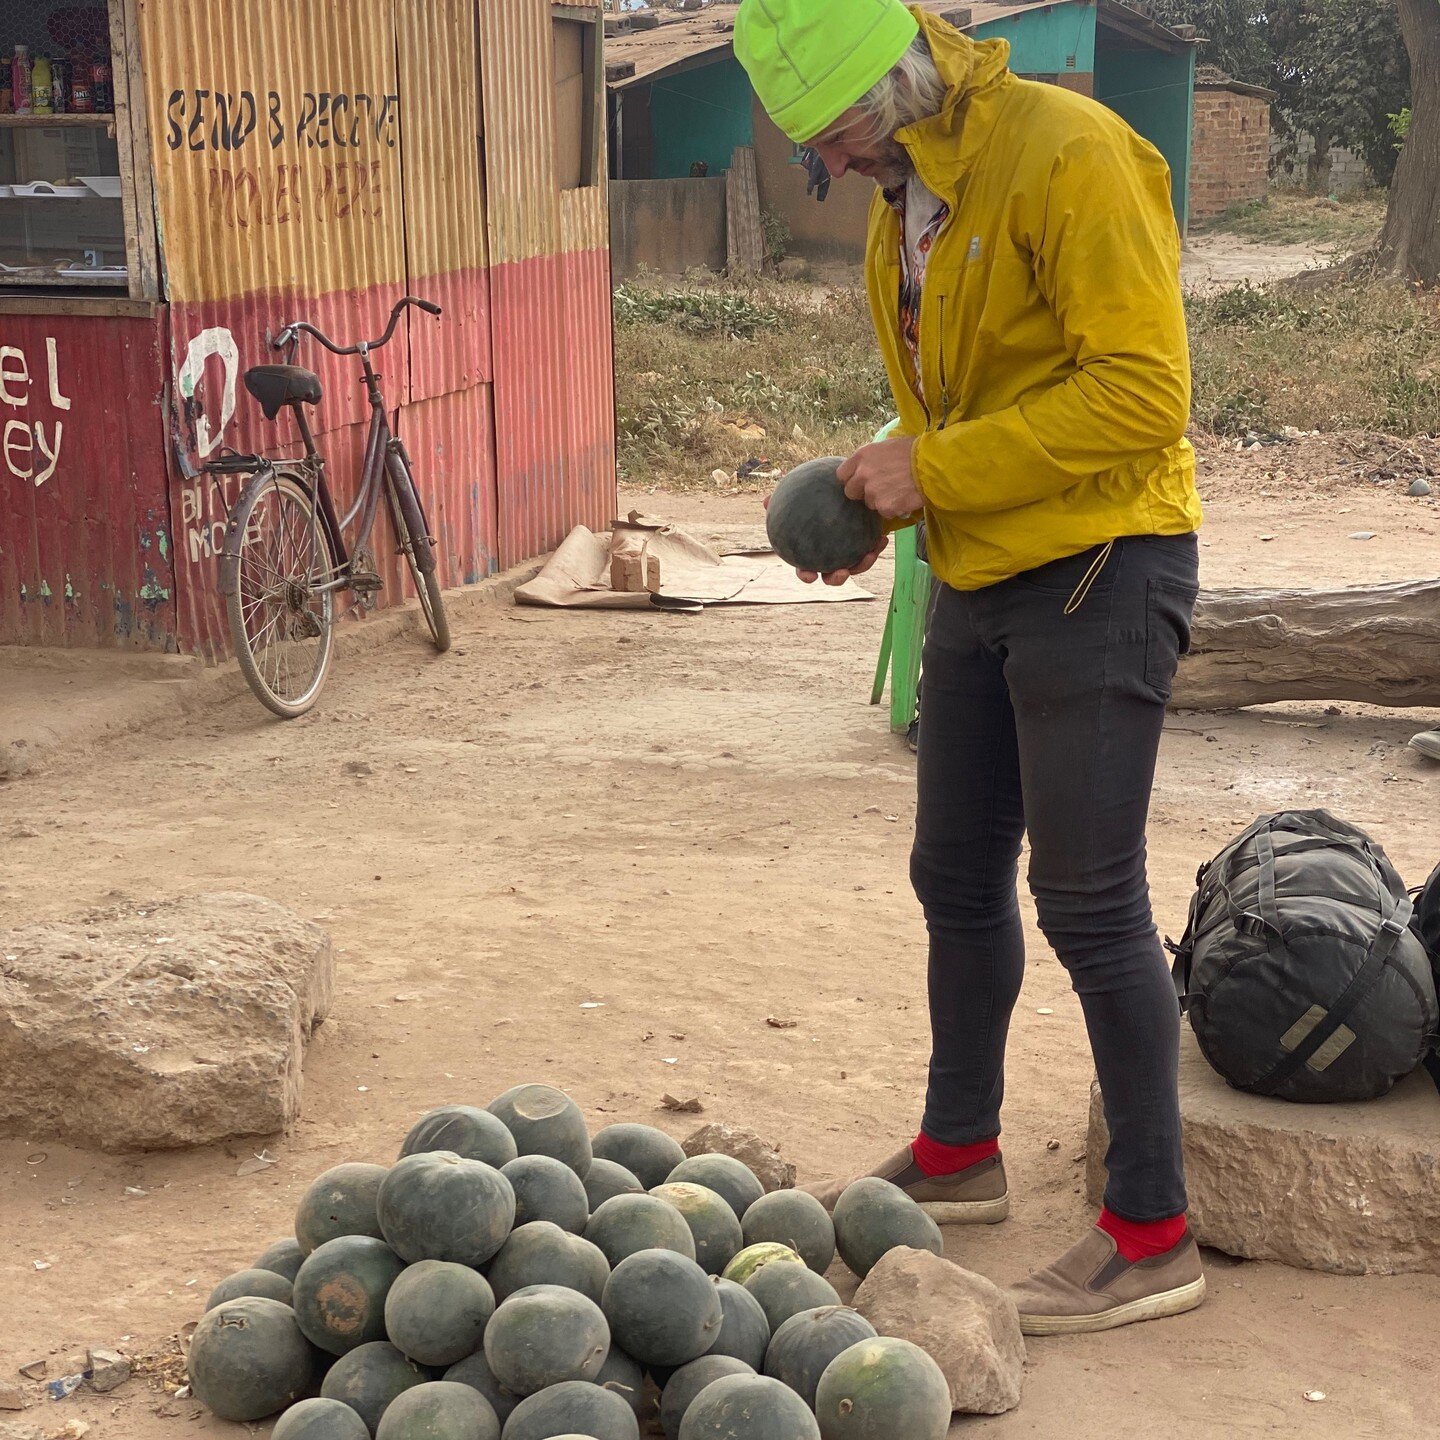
<point x="509" y="1278"/>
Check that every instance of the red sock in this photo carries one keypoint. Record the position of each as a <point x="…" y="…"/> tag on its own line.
<point x="1137" y="1241"/>
<point x="937" y="1159"/>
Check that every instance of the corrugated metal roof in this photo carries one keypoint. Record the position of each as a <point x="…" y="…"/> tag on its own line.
<point x="682" y="38"/>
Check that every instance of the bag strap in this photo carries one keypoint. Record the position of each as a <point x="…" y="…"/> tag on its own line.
<point x="1392" y="929"/>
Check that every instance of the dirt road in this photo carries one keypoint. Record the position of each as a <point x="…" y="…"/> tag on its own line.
<point x="699" y="823"/>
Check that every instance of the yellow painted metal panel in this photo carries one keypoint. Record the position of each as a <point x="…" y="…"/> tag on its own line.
<point x="440" y="113"/>
<point x="517" y="61"/>
<point x="276" y="137"/>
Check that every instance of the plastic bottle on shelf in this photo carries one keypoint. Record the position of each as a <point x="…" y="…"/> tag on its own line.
<point x="60" y="86"/>
<point x="20" y="80"/>
<point x="82" y="87"/>
<point x="42" y="94"/>
<point x="104" y="84"/>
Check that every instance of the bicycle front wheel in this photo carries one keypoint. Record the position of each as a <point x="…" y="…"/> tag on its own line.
<point x="281" y="622"/>
<point x="413" y="534"/>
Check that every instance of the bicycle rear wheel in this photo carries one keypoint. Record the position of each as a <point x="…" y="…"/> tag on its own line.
<point x="282" y="629"/>
<point x="413" y="534"/>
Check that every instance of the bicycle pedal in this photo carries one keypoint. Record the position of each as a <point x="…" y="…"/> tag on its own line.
<point x="365" y="582"/>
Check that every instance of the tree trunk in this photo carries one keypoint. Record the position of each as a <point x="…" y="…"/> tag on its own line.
<point x="1410" y="244"/>
<point x="1317" y="165"/>
<point x="1378" y="644"/>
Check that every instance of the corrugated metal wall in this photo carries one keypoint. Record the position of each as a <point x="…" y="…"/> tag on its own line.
<point x="85" y="539"/>
<point x="550" y="297"/>
<point x="316" y="159"/>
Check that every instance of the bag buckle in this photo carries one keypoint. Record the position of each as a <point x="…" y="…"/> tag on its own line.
<point x="1252" y="925"/>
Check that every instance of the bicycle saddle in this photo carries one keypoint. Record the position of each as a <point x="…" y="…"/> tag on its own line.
<point x="275" y="386"/>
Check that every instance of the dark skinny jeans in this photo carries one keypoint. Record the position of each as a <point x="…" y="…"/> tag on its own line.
<point x="1041" y="722"/>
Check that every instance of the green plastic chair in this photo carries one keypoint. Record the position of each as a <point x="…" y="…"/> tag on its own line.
<point x="904" y="637"/>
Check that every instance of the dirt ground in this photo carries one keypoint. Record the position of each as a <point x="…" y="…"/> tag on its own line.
<point x="699" y="823"/>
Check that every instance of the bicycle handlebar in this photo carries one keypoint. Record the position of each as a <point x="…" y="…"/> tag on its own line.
<point x="292" y="332"/>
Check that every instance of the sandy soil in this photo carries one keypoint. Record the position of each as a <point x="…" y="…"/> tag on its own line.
<point x="677" y="817"/>
<point x="1218" y="261"/>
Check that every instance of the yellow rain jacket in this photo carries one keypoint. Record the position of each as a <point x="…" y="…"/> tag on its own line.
<point x="1053" y="354"/>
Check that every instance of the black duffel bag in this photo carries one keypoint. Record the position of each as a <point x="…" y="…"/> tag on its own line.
<point x="1426" y="925"/>
<point x="1299" y="970"/>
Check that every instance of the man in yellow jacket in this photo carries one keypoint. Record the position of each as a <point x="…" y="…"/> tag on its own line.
<point x="1023" y="273"/>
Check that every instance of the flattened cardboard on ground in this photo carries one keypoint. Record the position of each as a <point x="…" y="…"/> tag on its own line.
<point x="692" y="576"/>
<point x="1349" y="1189"/>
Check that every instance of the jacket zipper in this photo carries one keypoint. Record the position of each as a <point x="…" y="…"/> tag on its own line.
<point x="944" y="380"/>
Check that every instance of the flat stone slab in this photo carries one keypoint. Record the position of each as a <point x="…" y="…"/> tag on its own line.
<point x="1350" y="1189"/>
<point x="157" y="1026"/>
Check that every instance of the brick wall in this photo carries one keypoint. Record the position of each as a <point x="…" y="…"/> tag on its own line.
<point x="1231" y="161"/>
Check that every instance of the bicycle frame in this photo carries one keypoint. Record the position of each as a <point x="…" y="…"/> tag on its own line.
<point x="366" y="505"/>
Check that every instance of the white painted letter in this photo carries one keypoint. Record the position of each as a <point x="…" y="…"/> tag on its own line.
<point x="9" y="376"/>
<point x="59" y="401"/>
<point x="53" y="456"/>
<point x="19" y="440"/>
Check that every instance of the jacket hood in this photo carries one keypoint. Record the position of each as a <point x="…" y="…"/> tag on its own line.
<point x="944" y="146"/>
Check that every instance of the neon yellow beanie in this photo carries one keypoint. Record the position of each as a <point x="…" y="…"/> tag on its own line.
<point x="811" y="60"/>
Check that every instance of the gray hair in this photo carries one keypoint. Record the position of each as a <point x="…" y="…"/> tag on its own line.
<point x="912" y="91"/>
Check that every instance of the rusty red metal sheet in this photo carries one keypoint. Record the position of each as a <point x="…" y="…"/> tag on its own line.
<point x="85" y="540"/>
<point x="554" y="406"/>
<point x="450" y="438"/>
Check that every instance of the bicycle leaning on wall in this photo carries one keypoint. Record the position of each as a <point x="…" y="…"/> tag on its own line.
<point x="285" y="557"/>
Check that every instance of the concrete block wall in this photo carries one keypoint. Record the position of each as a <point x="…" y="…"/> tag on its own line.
<point x="1348" y="171"/>
<point x="1231" y="158"/>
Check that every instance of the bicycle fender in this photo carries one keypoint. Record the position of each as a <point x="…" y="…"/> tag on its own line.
<point x="234" y="536"/>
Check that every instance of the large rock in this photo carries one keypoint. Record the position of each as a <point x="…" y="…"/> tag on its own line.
<point x="161" y="1025"/>
<point x="764" y="1159"/>
<point x="967" y="1325"/>
<point x="1352" y="1189"/>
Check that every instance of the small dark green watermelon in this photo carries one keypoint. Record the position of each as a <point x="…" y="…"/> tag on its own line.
<point x="439" y="1410"/>
<point x="873" y="1217"/>
<point x="712" y="1223"/>
<point x="752" y="1257"/>
<point x="320" y="1420"/>
<point x="605" y="1180"/>
<point x="340" y="1292"/>
<point x="573" y="1407"/>
<point x="251" y="1282"/>
<point x="545" y="1121"/>
<point x="369" y="1377"/>
<point x="463" y="1130"/>
<point x="662" y="1307"/>
<point x="647" y="1153"/>
<point x="793" y="1218"/>
<point x="474" y="1371"/>
<point x="883" y="1387"/>
<point x="625" y="1376"/>
<point x="814" y="525"/>
<point x="744" y="1330"/>
<point x="723" y="1174"/>
<point x="543" y="1254"/>
<point x="547" y="1189"/>
<point x="688" y="1381"/>
<point x="437" y="1206"/>
<point x="754" y="1407"/>
<point x="284" y="1257"/>
<point x="248" y="1359"/>
<point x="630" y="1223"/>
<point x="436" y="1311"/>
<point x="786" y="1290"/>
<point x="805" y="1344"/>
<point x="339" y="1202"/>
<point x="544" y="1335"/>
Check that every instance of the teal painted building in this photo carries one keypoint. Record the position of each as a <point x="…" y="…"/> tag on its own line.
<point x="698" y="107"/>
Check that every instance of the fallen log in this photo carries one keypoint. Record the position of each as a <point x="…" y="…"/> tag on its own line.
<point x="1378" y="644"/>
